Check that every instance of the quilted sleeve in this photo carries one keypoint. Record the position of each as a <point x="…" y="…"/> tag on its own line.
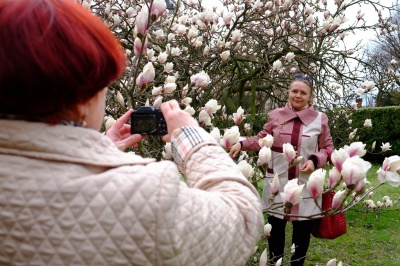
<point x="214" y="220"/>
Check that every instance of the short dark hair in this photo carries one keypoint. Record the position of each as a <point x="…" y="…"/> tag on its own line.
<point x="54" y="55"/>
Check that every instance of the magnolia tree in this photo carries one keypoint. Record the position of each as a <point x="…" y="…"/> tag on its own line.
<point x="226" y="63"/>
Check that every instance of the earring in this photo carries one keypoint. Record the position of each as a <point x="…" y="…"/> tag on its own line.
<point x="84" y="123"/>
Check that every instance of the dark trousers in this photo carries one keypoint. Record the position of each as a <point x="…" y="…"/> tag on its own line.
<point x="301" y="239"/>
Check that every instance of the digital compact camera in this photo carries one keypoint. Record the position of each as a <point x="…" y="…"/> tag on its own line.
<point x="147" y="120"/>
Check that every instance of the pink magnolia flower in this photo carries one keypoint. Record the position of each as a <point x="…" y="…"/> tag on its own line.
<point x="204" y="118"/>
<point x="157" y="9"/>
<point x="246" y="169"/>
<point x="338" y="199"/>
<point x="267" y="229"/>
<point x="216" y="134"/>
<point x="356" y="148"/>
<point x="147" y="76"/>
<point x="138" y="46"/>
<point x="263" y="258"/>
<point x="238" y="116"/>
<point x="292" y="192"/>
<point x="167" y="153"/>
<point x="367" y="123"/>
<point x="389" y="171"/>
<point x="385" y="147"/>
<point x="334" y="177"/>
<point x="212" y="107"/>
<point x="275" y="185"/>
<point x="338" y="157"/>
<point x="289" y="152"/>
<point x="315" y="184"/>
<point x="264" y="156"/>
<point x="141" y="23"/>
<point x="267" y="141"/>
<point x="354" y="170"/>
<point x="231" y="136"/>
<point x="200" y="79"/>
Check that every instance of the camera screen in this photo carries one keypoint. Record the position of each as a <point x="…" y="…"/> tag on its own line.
<point x="144" y="123"/>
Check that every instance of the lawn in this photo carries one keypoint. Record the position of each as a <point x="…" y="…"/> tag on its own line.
<point x="372" y="238"/>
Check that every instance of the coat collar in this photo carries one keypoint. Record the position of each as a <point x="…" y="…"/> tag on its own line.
<point x="306" y="115"/>
<point x="62" y="143"/>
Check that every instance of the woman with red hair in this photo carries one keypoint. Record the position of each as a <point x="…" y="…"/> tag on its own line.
<point x="68" y="194"/>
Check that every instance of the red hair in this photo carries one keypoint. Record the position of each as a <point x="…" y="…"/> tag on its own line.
<point x="54" y="54"/>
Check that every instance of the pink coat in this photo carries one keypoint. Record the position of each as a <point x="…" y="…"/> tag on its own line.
<point x="307" y="130"/>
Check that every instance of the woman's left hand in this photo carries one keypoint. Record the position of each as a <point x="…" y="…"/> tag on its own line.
<point x="120" y="133"/>
<point x="308" y="167"/>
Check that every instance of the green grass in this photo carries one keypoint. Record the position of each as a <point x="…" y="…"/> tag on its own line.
<point x="372" y="238"/>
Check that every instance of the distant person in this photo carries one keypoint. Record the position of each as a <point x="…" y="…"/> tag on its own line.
<point x="68" y="194"/>
<point x="299" y="124"/>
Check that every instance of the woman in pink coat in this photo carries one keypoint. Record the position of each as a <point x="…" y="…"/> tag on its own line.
<point x="299" y="124"/>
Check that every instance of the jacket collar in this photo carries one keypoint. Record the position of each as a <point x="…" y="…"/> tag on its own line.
<point x="306" y="115"/>
<point x="62" y="143"/>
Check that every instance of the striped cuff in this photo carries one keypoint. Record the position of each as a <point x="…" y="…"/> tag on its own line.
<point x="184" y="139"/>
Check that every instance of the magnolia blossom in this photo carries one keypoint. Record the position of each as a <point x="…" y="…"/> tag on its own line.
<point x="338" y="157"/>
<point x="204" y="118"/>
<point x="267" y="230"/>
<point x="167" y="153"/>
<point x="291" y="192"/>
<point x="189" y="109"/>
<point x="216" y="134"/>
<point x="157" y="9"/>
<point x="289" y="152"/>
<point x="367" y="123"/>
<point x="200" y="79"/>
<point x="238" y="116"/>
<point x="389" y="171"/>
<point x="246" y="127"/>
<point x="293" y="248"/>
<point x="157" y="102"/>
<point x="231" y="136"/>
<point x="354" y="170"/>
<point x="334" y="177"/>
<point x="168" y="67"/>
<point x="289" y="56"/>
<point x="169" y="87"/>
<point x="109" y="123"/>
<point x="356" y="148"/>
<point x="263" y="258"/>
<point x="147" y="75"/>
<point x="267" y="141"/>
<point x="264" y="156"/>
<point x="186" y="101"/>
<point x="246" y="169"/>
<point x="120" y="99"/>
<point x="315" y="184"/>
<point x="225" y="55"/>
<point x="275" y="184"/>
<point x="139" y="47"/>
<point x="212" y="107"/>
<point x="338" y="199"/>
<point x="162" y="58"/>
<point x="276" y="66"/>
<point x="141" y="23"/>
<point x="236" y="35"/>
<point x="385" y="147"/>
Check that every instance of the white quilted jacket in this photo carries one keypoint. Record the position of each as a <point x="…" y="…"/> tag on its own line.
<point x="68" y="196"/>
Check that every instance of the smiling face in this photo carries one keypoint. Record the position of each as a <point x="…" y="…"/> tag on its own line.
<point x="299" y="94"/>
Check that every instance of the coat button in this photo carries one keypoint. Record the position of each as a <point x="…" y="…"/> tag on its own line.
<point x="296" y="131"/>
